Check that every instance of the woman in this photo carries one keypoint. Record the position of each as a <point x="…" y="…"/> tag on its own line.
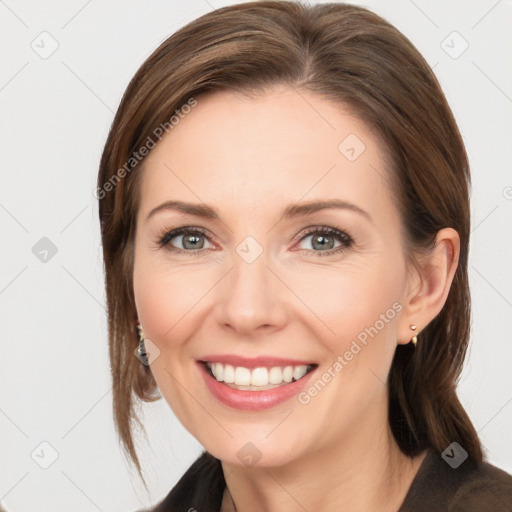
<point x="285" y="220"/>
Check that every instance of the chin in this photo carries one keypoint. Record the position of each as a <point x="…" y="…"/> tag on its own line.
<point x="256" y="451"/>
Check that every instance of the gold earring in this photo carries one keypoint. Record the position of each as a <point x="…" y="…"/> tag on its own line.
<point x="414" y="339"/>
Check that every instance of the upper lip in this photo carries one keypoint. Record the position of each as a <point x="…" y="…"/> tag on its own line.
<point x="253" y="362"/>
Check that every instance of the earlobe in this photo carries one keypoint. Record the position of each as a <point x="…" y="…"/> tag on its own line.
<point x="430" y="285"/>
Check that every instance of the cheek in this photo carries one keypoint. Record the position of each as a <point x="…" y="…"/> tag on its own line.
<point x="165" y="299"/>
<point x="357" y="303"/>
<point x="359" y="309"/>
<point x="167" y="302"/>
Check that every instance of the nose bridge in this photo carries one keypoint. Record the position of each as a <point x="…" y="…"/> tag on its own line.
<point x="250" y="297"/>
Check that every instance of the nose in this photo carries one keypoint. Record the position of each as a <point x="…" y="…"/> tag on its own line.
<point x="251" y="298"/>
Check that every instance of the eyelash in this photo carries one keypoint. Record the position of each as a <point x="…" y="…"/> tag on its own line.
<point x="346" y="240"/>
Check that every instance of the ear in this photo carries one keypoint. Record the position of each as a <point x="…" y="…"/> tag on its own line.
<point x="429" y="284"/>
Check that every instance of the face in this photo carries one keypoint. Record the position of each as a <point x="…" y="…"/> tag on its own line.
<point x="247" y="285"/>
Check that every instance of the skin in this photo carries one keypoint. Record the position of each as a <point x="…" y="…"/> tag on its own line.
<point x="249" y="158"/>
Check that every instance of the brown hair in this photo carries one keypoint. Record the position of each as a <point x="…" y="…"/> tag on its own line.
<point x="353" y="57"/>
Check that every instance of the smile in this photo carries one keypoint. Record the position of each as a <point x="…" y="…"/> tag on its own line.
<point x="256" y="379"/>
<point x="261" y="384"/>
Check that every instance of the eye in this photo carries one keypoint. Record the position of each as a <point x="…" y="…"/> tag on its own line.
<point x="323" y="240"/>
<point x="189" y="240"/>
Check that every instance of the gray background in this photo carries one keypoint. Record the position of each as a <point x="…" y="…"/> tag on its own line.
<point x="56" y="112"/>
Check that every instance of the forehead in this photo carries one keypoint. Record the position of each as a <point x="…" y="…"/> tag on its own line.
<point x="277" y="146"/>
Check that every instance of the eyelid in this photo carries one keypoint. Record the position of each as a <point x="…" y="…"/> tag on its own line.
<point x="319" y="228"/>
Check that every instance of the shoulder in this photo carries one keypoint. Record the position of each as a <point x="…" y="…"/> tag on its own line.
<point x="468" y="487"/>
<point x="200" y="489"/>
<point x="485" y="488"/>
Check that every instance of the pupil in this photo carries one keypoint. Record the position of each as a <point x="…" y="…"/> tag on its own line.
<point x="193" y="241"/>
<point x="321" y="240"/>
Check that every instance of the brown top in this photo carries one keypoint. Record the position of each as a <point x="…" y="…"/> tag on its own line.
<point x="437" y="487"/>
<point x="468" y="488"/>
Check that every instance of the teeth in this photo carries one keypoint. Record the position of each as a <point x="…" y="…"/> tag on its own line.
<point x="219" y="372"/>
<point x="275" y="375"/>
<point x="242" y="376"/>
<point x="259" y="377"/>
<point x="288" y="374"/>
<point x="299" y="372"/>
<point x="229" y="373"/>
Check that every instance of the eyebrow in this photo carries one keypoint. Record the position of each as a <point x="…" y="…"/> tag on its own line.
<point x="295" y="210"/>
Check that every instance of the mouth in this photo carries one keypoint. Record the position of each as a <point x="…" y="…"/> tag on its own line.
<point x="259" y="378"/>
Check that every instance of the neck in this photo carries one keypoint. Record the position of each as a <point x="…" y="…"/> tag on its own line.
<point x="365" y="471"/>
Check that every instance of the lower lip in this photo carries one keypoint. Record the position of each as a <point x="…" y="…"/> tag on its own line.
<point x="252" y="400"/>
